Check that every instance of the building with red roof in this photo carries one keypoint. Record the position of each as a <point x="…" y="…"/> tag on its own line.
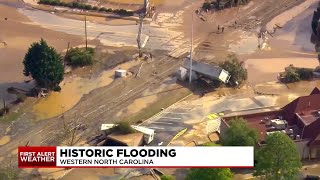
<point x="300" y="120"/>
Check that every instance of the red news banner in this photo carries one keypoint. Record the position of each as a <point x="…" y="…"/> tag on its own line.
<point x="135" y="157"/>
<point x="37" y="156"/>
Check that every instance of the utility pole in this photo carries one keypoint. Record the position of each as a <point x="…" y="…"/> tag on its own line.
<point x="64" y="61"/>
<point x="190" y="74"/>
<point x="85" y="31"/>
<point x="139" y="34"/>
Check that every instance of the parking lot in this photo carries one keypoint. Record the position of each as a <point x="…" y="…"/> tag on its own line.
<point x="168" y="123"/>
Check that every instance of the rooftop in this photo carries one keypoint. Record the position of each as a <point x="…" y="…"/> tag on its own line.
<point x="316" y="141"/>
<point x="308" y="117"/>
<point x="268" y="122"/>
<point x="302" y="113"/>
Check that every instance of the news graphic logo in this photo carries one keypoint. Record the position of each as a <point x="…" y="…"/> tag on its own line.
<point x="136" y="157"/>
<point x="37" y="157"/>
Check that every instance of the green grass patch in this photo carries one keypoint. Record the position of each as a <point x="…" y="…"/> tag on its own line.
<point x="11" y="116"/>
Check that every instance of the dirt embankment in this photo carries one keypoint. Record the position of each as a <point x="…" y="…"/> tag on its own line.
<point x="267" y="69"/>
<point x="288" y="15"/>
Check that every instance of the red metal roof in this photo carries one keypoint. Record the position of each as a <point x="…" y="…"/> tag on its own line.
<point x="301" y="113"/>
<point x="301" y="105"/>
<point x="315" y="91"/>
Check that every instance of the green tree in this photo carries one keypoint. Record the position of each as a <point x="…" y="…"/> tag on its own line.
<point x="240" y="134"/>
<point x="209" y="174"/>
<point x="44" y="65"/>
<point x="278" y="159"/>
<point x="235" y="68"/>
<point x="167" y="177"/>
<point x="80" y="56"/>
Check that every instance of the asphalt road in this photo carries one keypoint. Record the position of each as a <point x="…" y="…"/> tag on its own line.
<point x="154" y="36"/>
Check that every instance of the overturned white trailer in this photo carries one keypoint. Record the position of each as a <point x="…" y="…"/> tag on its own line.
<point x="208" y="70"/>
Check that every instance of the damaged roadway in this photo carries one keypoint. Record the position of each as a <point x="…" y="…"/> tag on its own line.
<point x="102" y="105"/>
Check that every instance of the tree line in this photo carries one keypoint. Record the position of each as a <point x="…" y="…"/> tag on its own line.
<point x="221" y="4"/>
<point x="84" y="6"/>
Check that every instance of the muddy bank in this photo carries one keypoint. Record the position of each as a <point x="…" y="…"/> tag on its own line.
<point x="297" y="32"/>
<point x="19" y="33"/>
<point x="264" y="70"/>
<point x="72" y="90"/>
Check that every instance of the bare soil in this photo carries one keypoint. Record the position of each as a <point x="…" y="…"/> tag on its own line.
<point x="103" y="104"/>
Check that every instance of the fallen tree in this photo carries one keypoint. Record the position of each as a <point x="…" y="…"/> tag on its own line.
<point x="294" y="74"/>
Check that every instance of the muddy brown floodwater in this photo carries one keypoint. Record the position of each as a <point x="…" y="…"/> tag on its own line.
<point x="246" y="44"/>
<point x="72" y="89"/>
<point x="267" y="69"/>
<point x="4" y="140"/>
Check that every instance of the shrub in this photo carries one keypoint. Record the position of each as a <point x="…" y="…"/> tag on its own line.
<point x="82" y="6"/>
<point x="293" y="74"/>
<point x="124" y="127"/>
<point x="57" y="89"/>
<point x="54" y="2"/>
<point x="75" y="4"/>
<point x="43" y="1"/>
<point x="103" y="9"/>
<point x="80" y="57"/>
<point x="20" y="98"/>
<point x="70" y="5"/>
<point x="167" y="177"/>
<point x="88" y="7"/>
<point x="4" y="111"/>
<point x="236" y="70"/>
<point x="206" y="5"/>
<point x="209" y="173"/>
<point x="79" y="5"/>
<point x="305" y="74"/>
<point x="123" y="12"/>
<point x="290" y="76"/>
<point x="63" y="4"/>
